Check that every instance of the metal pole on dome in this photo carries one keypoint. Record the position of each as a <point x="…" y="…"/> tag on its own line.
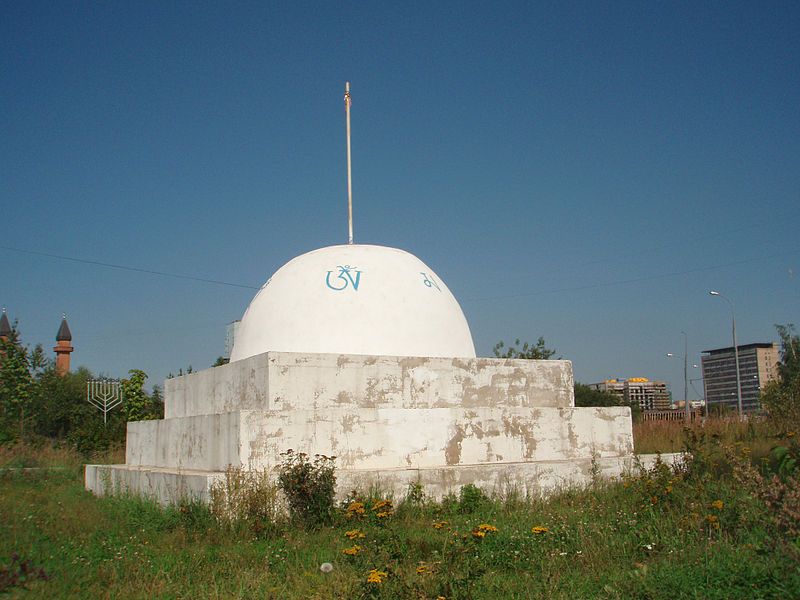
<point x="347" y="102"/>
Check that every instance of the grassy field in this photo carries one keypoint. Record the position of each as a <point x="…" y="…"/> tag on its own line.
<point x="716" y="529"/>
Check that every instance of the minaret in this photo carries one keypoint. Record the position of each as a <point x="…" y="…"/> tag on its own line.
<point x="63" y="347"/>
<point x="5" y="326"/>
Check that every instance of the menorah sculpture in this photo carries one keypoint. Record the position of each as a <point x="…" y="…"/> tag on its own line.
<point x="104" y="394"/>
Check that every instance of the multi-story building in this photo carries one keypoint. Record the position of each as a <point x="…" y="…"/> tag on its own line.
<point x="757" y="367"/>
<point x="650" y="395"/>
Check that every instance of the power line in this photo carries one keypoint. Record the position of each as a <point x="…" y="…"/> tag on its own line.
<point x="478" y="299"/>
<point x="623" y="281"/>
<point x="127" y="268"/>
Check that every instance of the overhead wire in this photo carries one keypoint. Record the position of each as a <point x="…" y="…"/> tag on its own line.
<point x="128" y="268"/>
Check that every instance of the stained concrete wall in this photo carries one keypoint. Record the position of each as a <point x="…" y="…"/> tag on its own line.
<point x="443" y="422"/>
<point x="298" y="381"/>
<point x="382" y="438"/>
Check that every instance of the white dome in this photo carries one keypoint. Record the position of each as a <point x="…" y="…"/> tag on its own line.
<point x="355" y="299"/>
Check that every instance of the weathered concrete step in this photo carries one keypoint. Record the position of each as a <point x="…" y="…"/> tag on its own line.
<point x="170" y="486"/>
<point x="380" y="438"/>
<point x="293" y="380"/>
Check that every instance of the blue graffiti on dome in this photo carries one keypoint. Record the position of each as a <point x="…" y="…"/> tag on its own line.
<point x="344" y="278"/>
<point x="429" y="281"/>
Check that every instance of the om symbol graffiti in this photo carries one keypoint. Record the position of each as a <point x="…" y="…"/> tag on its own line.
<point x="345" y="278"/>
<point x="429" y="281"/>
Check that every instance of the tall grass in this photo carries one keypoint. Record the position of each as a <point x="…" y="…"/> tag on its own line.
<point x="695" y="532"/>
<point x="760" y="434"/>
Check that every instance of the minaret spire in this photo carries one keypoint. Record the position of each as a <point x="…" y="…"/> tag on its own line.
<point x="63" y="347"/>
<point x="347" y="103"/>
<point x="5" y="326"/>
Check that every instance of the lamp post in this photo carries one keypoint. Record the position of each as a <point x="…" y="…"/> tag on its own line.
<point x="685" y="374"/>
<point x="735" y="350"/>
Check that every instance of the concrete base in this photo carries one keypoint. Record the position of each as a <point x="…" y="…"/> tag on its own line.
<point x="169" y="486"/>
<point x="390" y="421"/>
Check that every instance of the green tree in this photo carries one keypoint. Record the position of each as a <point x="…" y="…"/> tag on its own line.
<point x="789" y="366"/>
<point x="137" y="402"/>
<point x="586" y="396"/>
<point x="536" y="351"/>
<point x="16" y="383"/>
<point x="62" y="413"/>
<point x="782" y="397"/>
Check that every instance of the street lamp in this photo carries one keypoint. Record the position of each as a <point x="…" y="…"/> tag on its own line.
<point x="685" y="375"/>
<point x="735" y="350"/>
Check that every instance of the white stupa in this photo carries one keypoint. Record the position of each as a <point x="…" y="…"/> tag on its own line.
<point x="361" y="352"/>
<point x="355" y="299"/>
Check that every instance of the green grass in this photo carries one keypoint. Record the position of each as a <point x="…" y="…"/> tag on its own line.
<point x="648" y="536"/>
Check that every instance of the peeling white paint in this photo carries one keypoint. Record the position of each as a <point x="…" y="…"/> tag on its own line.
<point x="453" y="420"/>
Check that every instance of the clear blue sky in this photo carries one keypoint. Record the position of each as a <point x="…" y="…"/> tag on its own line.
<point x="581" y="171"/>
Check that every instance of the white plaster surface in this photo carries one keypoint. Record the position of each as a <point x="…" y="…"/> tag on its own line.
<point x="382" y="438"/>
<point x="298" y="380"/>
<point x="355" y="299"/>
<point x="387" y="419"/>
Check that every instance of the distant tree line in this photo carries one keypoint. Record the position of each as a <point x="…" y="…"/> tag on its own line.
<point x="37" y="404"/>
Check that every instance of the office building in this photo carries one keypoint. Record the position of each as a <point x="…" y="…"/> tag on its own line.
<point x="757" y="367"/>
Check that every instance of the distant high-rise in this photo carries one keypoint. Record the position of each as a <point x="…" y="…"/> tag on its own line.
<point x="649" y="395"/>
<point x="757" y="367"/>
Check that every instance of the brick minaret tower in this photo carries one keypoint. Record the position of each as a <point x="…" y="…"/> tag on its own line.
<point x="5" y="326"/>
<point x="63" y="347"/>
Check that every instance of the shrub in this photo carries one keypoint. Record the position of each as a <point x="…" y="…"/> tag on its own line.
<point x="471" y="498"/>
<point x="245" y="498"/>
<point x="18" y="573"/>
<point x="309" y="486"/>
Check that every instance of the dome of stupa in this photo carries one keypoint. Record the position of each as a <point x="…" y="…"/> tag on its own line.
<point x="355" y="299"/>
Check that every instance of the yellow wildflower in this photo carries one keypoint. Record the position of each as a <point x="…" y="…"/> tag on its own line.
<point x="481" y="530"/>
<point x="718" y="504"/>
<point x="355" y="509"/>
<point x="352" y="551"/>
<point x="653" y="499"/>
<point x="538" y="529"/>
<point x="712" y="518"/>
<point x="790" y="434"/>
<point x="380" y="506"/>
<point x="439" y="524"/>
<point x="376" y="576"/>
<point x="354" y="533"/>
<point x="424" y="569"/>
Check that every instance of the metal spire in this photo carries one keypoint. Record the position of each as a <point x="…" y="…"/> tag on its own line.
<point x="347" y="103"/>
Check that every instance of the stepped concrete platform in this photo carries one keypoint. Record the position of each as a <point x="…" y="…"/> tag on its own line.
<point x="390" y="421"/>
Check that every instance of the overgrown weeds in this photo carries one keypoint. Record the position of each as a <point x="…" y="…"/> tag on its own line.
<point x="246" y="498"/>
<point x="721" y="525"/>
<point x="760" y="434"/>
<point x="19" y="573"/>
<point x="309" y="486"/>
